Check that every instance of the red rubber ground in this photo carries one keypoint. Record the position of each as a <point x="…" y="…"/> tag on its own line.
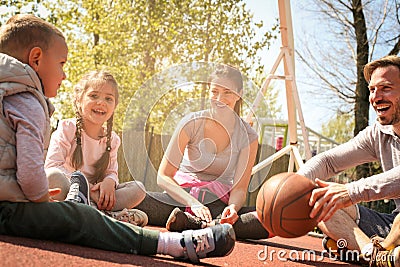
<point x="16" y="251"/>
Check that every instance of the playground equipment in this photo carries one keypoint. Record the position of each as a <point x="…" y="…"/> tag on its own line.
<point x="275" y="133"/>
<point x="286" y="56"/>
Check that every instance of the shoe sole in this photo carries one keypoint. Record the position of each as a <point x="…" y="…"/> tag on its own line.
<point x="171" y="219"/>
<point x="229" y="240"/>
<point x="220" y="242"/>
<point x="139" y="217"/>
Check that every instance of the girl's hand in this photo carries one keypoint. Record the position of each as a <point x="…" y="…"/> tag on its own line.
<point x="106" y="194"/>
<point x="229" y="215"/>
<point x="202" y="212"/>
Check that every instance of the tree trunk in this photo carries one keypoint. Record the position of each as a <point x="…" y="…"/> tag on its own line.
<point x="361" y="109"/>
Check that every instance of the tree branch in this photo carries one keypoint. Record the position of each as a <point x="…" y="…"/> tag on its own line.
<point x="375" y="38"/>
<point x="396" y="48"/>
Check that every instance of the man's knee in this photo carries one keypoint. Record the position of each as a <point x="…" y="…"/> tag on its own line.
<point x="352" y="211"/>
<point x="345" y="217"/>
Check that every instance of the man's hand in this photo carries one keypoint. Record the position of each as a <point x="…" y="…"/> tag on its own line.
<point x="327" y="199"/>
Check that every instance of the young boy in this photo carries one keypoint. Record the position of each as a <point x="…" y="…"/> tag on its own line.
<point x="32" y="56"/>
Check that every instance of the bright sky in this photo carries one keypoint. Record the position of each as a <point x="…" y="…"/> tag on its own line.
<point x="267" y="10"/>
<point x="315" y="110"/>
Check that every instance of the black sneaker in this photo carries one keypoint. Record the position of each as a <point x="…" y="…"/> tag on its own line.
<point x="179" y="221"/>
<point x="215" y="241"/>
<point x="79" y="189"/>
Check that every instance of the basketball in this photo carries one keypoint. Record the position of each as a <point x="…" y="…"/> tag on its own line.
<point x="282" y="205"/>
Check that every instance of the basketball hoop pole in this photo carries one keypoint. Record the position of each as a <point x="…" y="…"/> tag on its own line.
<point x="292" y="98"/>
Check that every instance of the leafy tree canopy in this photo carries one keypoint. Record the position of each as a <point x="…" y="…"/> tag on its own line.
<point x="136" y="39"/>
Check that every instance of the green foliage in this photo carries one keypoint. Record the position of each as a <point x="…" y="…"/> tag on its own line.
<point x="136" y="39"/>
<point x="384" y="206"/>
<point x="11" y="7"/>
<point x="340" y="128"/>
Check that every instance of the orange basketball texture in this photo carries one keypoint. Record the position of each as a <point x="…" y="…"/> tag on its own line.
<point x="282" y="205"/>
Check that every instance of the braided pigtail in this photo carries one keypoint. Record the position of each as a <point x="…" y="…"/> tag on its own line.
<point x="77" y="156"/>
<point x="102" y="164"/>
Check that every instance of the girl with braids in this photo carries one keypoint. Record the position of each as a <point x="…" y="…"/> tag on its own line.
<point x="83" y="144"/>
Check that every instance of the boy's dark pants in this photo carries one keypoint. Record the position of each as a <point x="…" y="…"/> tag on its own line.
<point x="76" y="224"/>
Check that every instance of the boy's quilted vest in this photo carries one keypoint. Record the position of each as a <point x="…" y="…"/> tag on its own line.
<point x="9" y="189"/>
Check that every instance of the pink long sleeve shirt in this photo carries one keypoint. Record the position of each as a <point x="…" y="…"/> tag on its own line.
<point x="63" y="144"/>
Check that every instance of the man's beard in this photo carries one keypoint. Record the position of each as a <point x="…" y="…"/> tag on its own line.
<point x="395" y="117"/>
